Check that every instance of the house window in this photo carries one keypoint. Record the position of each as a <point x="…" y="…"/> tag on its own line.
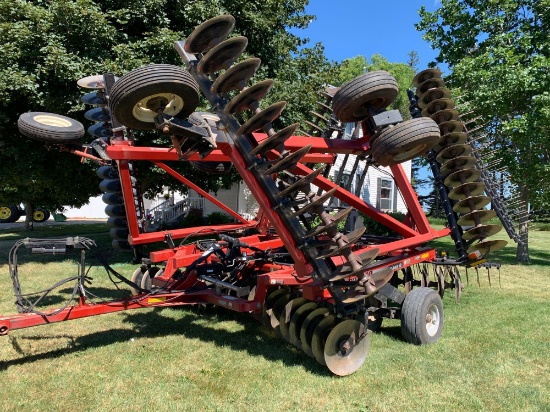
<point x="385" y="194"/>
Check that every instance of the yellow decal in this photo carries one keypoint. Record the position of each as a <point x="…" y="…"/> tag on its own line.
<point x="425" y="255"/>
<point x="155" y="300"/>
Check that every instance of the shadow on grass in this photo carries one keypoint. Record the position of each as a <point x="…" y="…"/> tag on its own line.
<point x="255" y="339"/>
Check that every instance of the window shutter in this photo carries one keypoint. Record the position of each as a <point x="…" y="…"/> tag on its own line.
<point x="378" y="191"/>
<point x="394" y="197"/>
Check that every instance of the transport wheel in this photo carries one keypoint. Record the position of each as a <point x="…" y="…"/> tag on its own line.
<point x="377" y="88"/>
<point x="297" y="320"/>
<point x="319" y="337"/>
<point x="270" y="300"/>
<point x="309" y="325"/>
<point x="9" y="213"/>
<point x="50" y="127"/>
<point x="422" y="316"/>
<point x="404" y="141"/>
<point x="137" y="278"/>
<point x="147" y="276"/>
<point x="286" y="315"/>
<point x="347" y="347"/>
<point x="40" y="215"/>
<point x="136" y="96"/>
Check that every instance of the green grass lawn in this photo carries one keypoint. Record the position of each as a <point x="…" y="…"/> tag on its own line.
<point x="494" y="353"/>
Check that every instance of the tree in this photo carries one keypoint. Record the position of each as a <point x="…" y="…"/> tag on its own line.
<point x="498" y="53"/>
<point x="48" y="45"/>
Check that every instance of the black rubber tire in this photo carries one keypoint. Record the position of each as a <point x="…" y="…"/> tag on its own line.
<point x="419" y="307"/>
<point x="107" y="172"/>
<point x="119" y="222"/>
<point x="136" y="86"/>
<point x="379" y="88"/>
<point x="40" y="215"/>
<point x="50" y="127"/>
<point x="9" y="213"/>
<point x="115" y="211"/>
<point x="118" y="233"/>
<point x="110" y="186"/>
<point x="112" y="198"/>
<point x="404" y="141"/>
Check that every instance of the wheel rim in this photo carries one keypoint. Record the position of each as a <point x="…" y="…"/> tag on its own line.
<point x="146" y="109"/>
<point x="52" y="120"/>
<point x="432" y="320"/>
<point x="38" y="215"/>
<point x="5" y="212"/>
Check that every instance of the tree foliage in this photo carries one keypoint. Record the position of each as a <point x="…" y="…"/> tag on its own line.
<point x="48" y="45"/>
<point x="499" y="56"/>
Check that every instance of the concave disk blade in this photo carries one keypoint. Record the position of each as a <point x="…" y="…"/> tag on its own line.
<point x="209" y="34"/>
<point x="487" y="246"/>
<point x="289" y="310"/>
<point x="319" y="337"/>
<point x="347" y="347"/>
<point x="308" y="326"/>
<point x="297" y="321"/>
<point x="302" y="183"/>
<point x="274" y="141"/>
<point x="289" y="162"/>
<point x="318" y="202"/>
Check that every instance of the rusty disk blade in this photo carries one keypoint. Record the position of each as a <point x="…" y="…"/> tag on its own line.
<point x="262" y="119"/>
<point x="444" y="116"/>
<point x="433" y="94"/>
<point x="319" y="337"/>
<point x="93" y="99"/>
<point x="347" y="347"/>
<point x="99" y="130"/>
<point x="346" y="269"/>
<point x="486" y="246"/>
<point x="308" y="326"/>
<point x="297" y="320"/>
<point x="433" y="83"/>
<point x="436" y="105"/>
<point x="453" y="151"/>
<point x="462" y="176"/>
<point x="334" y="249"/>
<point x="98" y="114"/>
<point x="222" y="56"/>
<point x="276" y="140"/>
<point x="481" y="232"/>
<point x="314" y="126"/>
<point x="451" y="139"/>
<point x="471" y="203"/>
<point x="467" y="190"/>
<point x="427" y="74"/>
<point x="302" y="183"/>
<point x="289" y="162"/>
<point x="92" y="82"/>
<point x="458" y="163"/>
<point x="476" y="217"/>
<point x="236" y="77"/>
<point x="316" y="203"/>
<point x="451" y="126"/>
<point x="337" y="218"/>
<point x="209" y="34"/>
<point x="249" y="97"/>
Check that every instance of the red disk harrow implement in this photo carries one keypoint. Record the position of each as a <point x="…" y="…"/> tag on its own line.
<point x="321" y="287"/>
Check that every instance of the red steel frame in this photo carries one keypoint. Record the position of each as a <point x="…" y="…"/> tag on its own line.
<point x="400" y="253"/>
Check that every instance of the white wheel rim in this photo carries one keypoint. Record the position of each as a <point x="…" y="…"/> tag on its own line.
<point x="52" y="120"/>
<point x="144" y="114"/>
<point x="432" y="320"/>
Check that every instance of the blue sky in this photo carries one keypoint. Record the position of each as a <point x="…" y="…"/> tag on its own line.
<point x="348" y="28"/>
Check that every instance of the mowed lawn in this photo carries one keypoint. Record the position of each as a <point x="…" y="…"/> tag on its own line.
<point x="494" y="353"/>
